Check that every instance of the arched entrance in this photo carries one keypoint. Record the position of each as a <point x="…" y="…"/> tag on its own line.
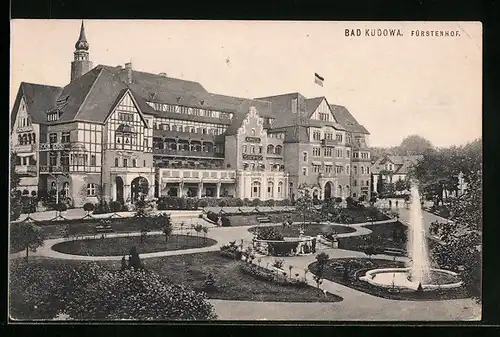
<point x="328" y="190"/>
<point x="119" y="189"/>
<point x="139" y="188"/>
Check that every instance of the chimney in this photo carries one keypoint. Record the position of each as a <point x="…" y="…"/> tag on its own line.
<point x="128" y="67"/>
<point x="163" y="74"/>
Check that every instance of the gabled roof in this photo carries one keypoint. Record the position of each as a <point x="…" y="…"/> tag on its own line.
<point x="263" y="110"/>
<point x="39" y="98"/>
<point x="403" y="164"/>
<point x="345" y="118"/>
<point x="312" y="104"/>
<point x="92" y="96"/>
<point x="282" y="108"/>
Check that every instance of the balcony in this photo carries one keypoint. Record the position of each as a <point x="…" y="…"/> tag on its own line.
<point x="28" y="148"/>
<point x="157" y="133"/>
<point x="28" y="128"/>
<point x="55" y="146"/>
<point x="54" y="169"/>
<point x="131" y="169"/>
<point x="26" y="170"/>
<point x="197" y="175"/>
<point x="329" y="142"/>
<point x="192" y="154"/>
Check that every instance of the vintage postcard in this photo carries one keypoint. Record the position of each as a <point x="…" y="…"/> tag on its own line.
<point x="245" y="170"/>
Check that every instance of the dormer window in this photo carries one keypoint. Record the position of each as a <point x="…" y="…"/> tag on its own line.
<point x="52" y="116"/>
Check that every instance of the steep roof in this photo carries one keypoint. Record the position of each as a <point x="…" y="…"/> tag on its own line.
<point x="39" y="98"/>
<point x="403" y="164"/>
<point x="345" y="118"/>
<point x="92" y="96"/>
<point x="282" y="108"/>
<point x="312" y="104"/>
<point x="240" y="113"/>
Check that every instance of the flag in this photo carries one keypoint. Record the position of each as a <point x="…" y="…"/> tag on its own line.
<point x="318" y="79"/>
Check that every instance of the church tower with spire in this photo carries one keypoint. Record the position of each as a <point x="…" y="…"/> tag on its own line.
<point x="81" y="63"/>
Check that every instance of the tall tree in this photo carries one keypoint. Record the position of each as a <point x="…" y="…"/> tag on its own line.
<point x="460" y="247"/>
<point x="414" y="145"/>
<point x="26" y="236"/>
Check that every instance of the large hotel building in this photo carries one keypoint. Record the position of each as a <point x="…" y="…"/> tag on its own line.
<point x="117" y="132"/>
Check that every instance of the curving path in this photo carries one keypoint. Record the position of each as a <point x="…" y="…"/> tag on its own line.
<point x="355" y="306"/>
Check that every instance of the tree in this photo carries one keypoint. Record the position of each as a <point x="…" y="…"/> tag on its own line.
<point x="304" y="206"/>
<point x="414" y="145"/>
<point x="88" y="207"/>
<point x="198" y="228"/>
<point x="369" y="250"/>
<point x="27" y="236"/>
<point x="205" y="232"/>
<point x="460" y="246"/>
<point x="15" y="194"/>
<point x="321" y="263"/>
<point x="402" y="185"/>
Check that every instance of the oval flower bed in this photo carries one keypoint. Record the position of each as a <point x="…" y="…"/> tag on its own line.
<point x="309" y="230"/>
<point x="117" y="246"/>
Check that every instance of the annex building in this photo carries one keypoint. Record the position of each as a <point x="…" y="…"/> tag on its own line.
<point x="122" y="133"/>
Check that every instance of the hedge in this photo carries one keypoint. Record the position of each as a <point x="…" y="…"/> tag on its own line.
<point x="283" y="248"/>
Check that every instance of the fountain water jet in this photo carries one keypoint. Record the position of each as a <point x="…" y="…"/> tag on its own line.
<point x="419" y="274"/>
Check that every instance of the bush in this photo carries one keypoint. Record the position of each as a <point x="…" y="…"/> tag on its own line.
<point x="338" y="200"/>
<point x="222" y="203"/>
<point x="269" y="203"/>
<point x="283" y="248"/>
<point x="125" y="208"/>
<point x="33" y="193"/>
<point x="247" y="202"/>
<point x="116" y="206"/>
<point x="231" y="251"/>
<point x="225" y="221"/>
<point x="61" y="207"/>
<point x="161" y="206"/>
<point x="26" y="192"/>
<point x="88" y="207"/>
<point x="239" y="203"/>
<point x="212" y="216"/>
<point x="362" y="198"/>
<point x="269" y="233"/>
<point x="203" y="203"/>
<point x="256" y="202"/>
<point x="102" y="208"/>
<point x="89" y="291"/>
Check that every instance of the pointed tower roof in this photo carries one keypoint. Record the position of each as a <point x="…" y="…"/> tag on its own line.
<point x="82" y="43"/>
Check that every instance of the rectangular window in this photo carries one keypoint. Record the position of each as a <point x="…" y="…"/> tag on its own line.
<point x="144" y="163"/>
<point x="316" y="168"/>
<point x="338" y="137"/>
<point x="53" y="138"/>
<point x="65" y="137"/>
<point x="304" y="171"/>
<point x="338" y="169"/>
<point x="328" y="168"/>
<point x="92" y="160"/>
<point x="316" y="135"/>
<point x="125" y="162"/>
<point x="134" y="163"/>
<point x="52" y="159"/>
<point x="116" y="162"/>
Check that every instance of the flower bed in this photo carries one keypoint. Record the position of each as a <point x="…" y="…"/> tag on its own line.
<point x="117" y="246"/>
<point x="309" y="230"/>
<point x="272" y="276"/>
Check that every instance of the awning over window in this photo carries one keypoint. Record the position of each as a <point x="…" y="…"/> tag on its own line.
<point x="316" y="163"/>
<point x="328" y="163"/>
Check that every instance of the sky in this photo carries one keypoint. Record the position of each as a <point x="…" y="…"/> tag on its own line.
<point x="394" y="85"/>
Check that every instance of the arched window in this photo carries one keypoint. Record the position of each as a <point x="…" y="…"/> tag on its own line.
<point x="53" y="185"/>
<point x="304" y="156"/>
<point x="256" y="189"/>
<point x="270" y="149"/>
<point x="355" y="169"/>
<point x="91" y="190"/>
<point x="339" y="191"/>
<point x="290" y="188"/>
<point x="368" y="170"/>
<point x="347" y="169"/>
<point x="244" y="149"/>
<point x="252" y="149"/>
<point x="253" y="132"/>
<point x="362" y="170"/>
<point x="270" y="190"/>
<point x="123" y="136"/>
<point x="66" y="189"/>
<point x="278" y="149"/>
<point x="280" y="190"/>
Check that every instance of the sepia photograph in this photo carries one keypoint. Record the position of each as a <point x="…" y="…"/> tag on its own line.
<point x="169" y="170"/>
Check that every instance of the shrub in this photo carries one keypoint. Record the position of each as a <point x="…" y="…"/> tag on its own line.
<point x="247" y="202"/>
<point x="61" y="207"/>
<point x="116" y="206"/>
<point x="26" y="236"/>
<point x="256" y="202"/>
<point x="33" y="193"/>
<point x="362" y="198"/>
<point x="269" y="203"/>
<point x="285" y="202"/>
<point x="349" y="201"/>
<point x="231" y="251"/>
<point x="102" y="208"/>
<point x="88" y="207"/>
<point x="338" y="200"/>
<point x="203" y="203"/>
<point x="269" y="233"/>
<point x="26" y="192"/>
<point x="161" y="206"/>
<point x="222" y="203"/>
<point x="181" y="203"/>
<point x="125" y="208"/>
<point x="239" y="202"/>
<point x="212" y="216"/>
<point x="283" y="248"/>
<point x="278" y="263"/>
<point x="89" y="291"/>
<point x="225" y="221"/>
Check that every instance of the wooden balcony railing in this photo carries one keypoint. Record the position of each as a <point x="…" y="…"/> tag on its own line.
<point x="183" y="153"/>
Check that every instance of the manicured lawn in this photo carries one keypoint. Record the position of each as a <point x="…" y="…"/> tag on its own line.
<point x="231" y="282"/>
<point x="381" y="236"/>
<point x="358" y="267"/>
<point x="356" y="215"/>
<point x="310" y="230"/>
<point x="121" y="245"/>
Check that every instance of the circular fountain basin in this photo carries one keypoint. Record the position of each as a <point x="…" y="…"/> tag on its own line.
<point x="397" y="278"/>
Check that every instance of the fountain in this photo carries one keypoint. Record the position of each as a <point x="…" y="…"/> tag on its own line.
<point x="418" y="275"/>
